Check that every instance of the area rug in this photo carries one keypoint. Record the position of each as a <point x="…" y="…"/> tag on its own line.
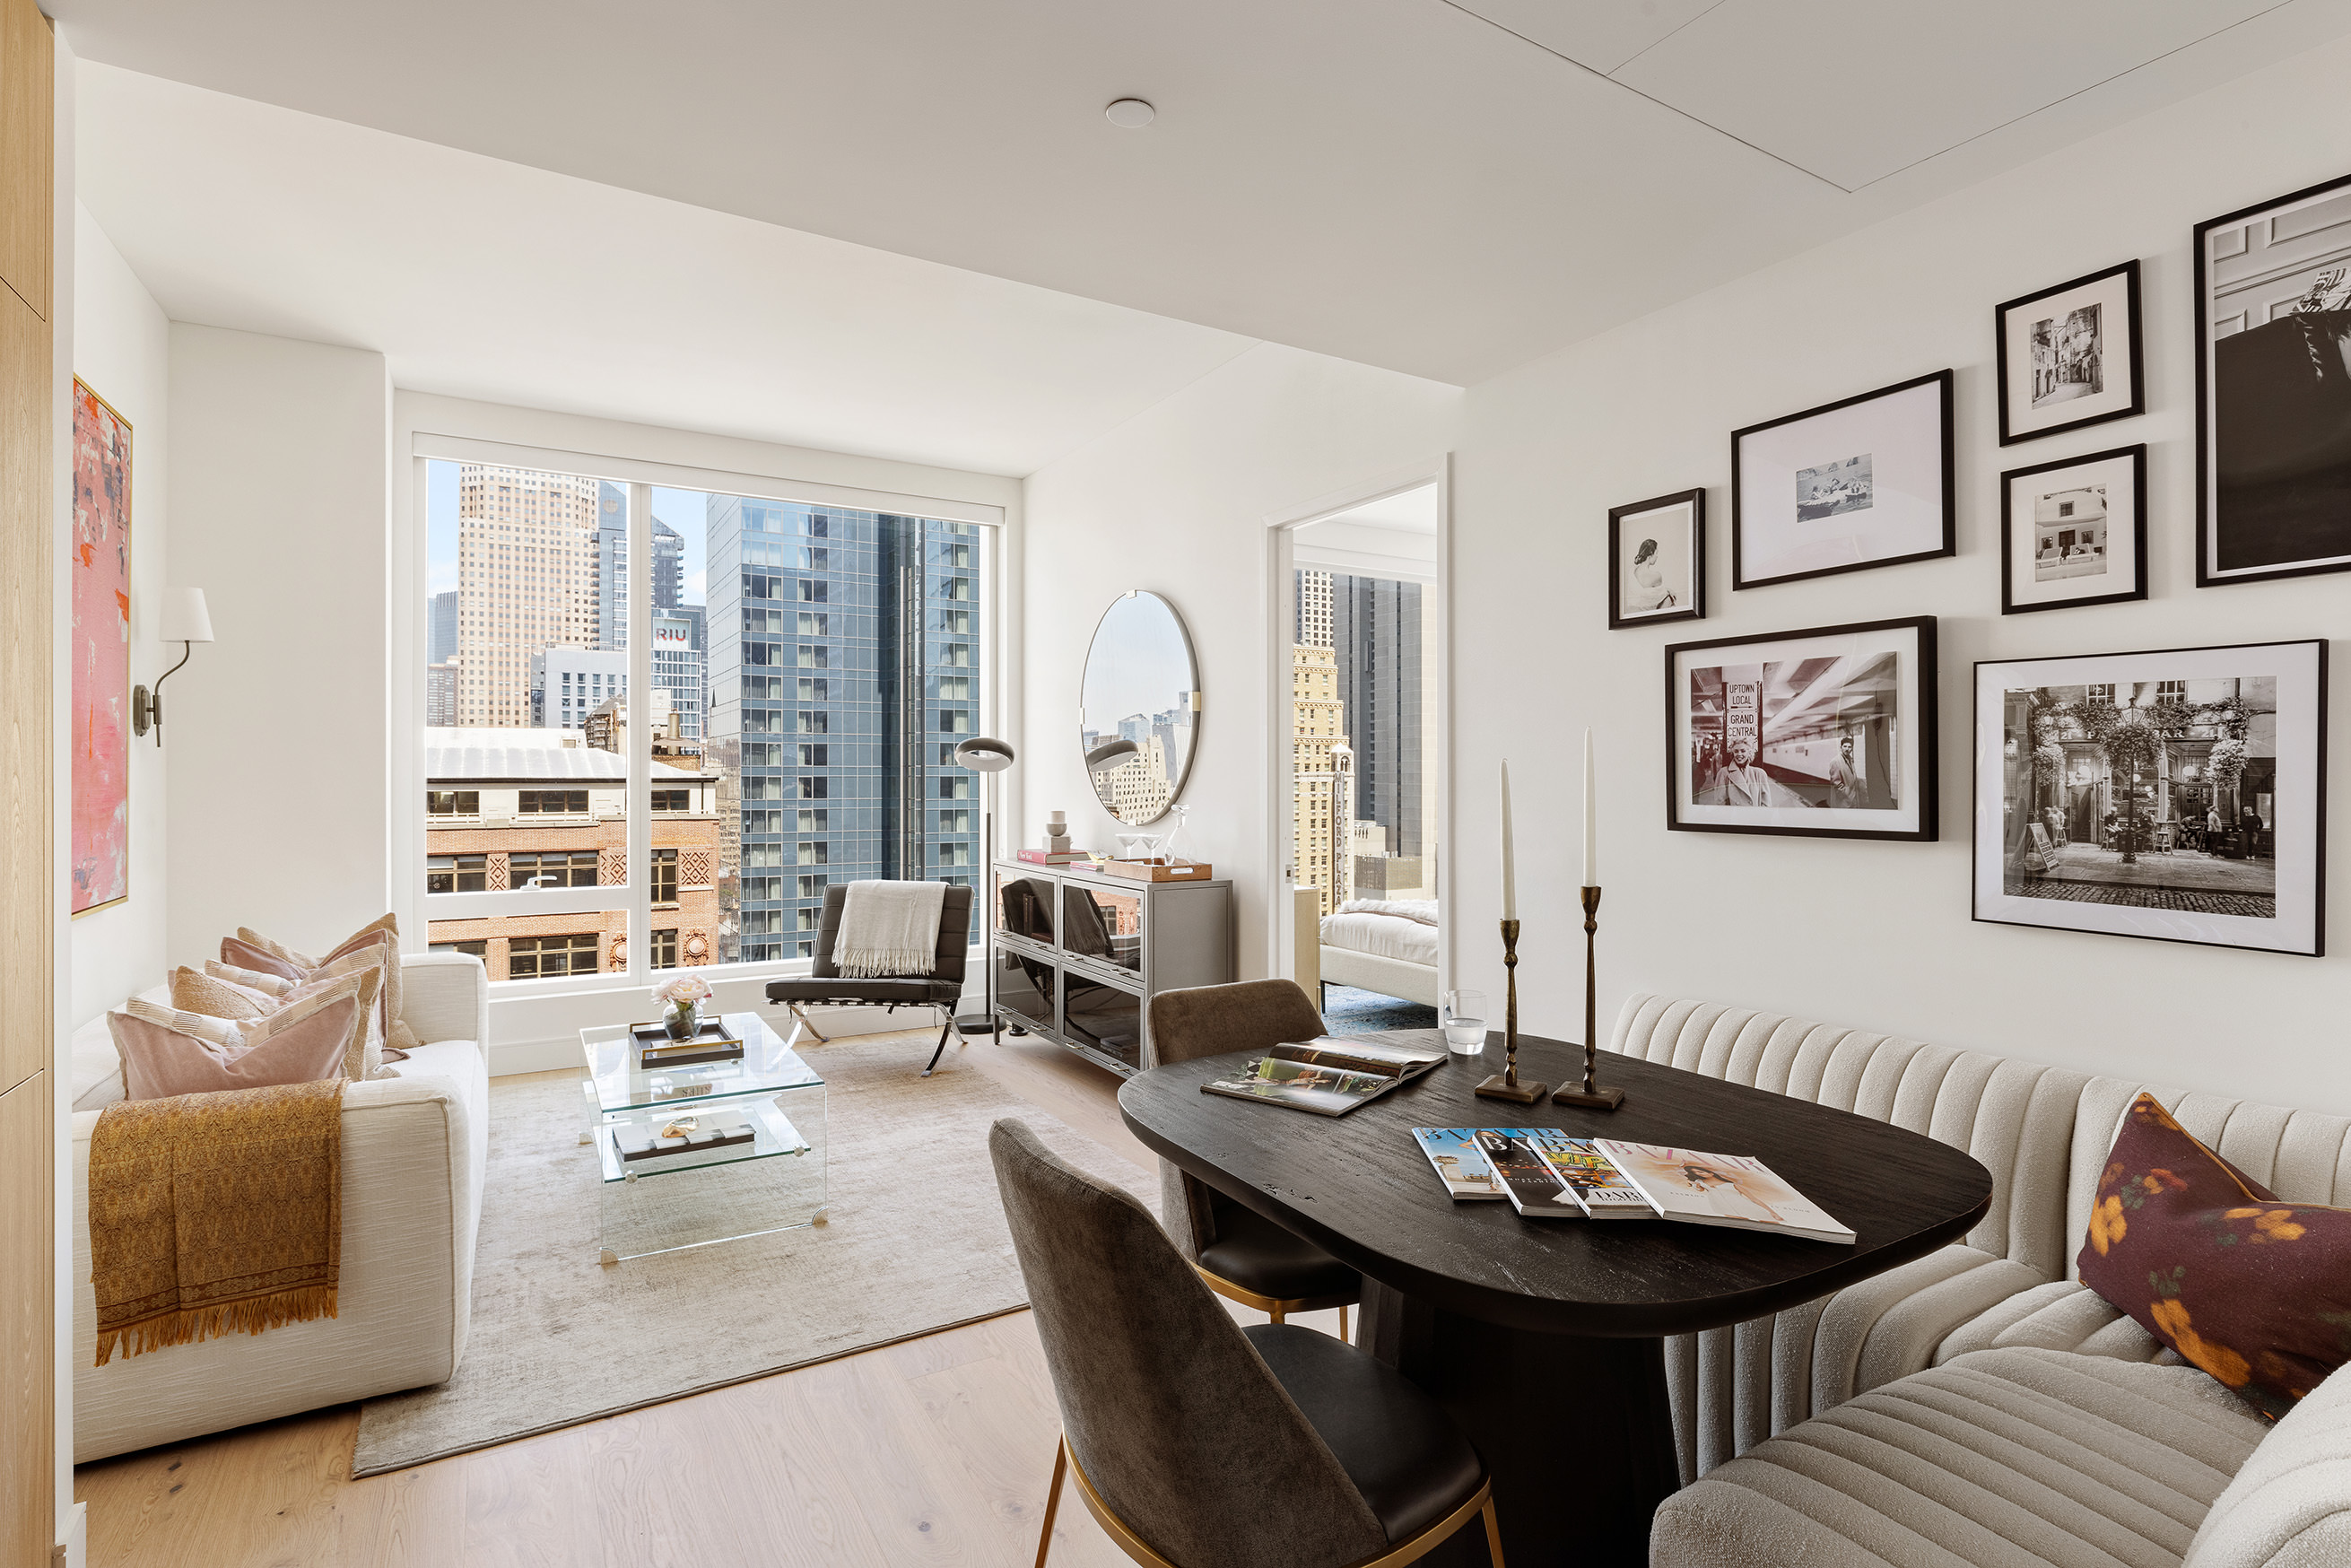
<point x="916" y="1242"/>
<point x="1350" y="1010"/>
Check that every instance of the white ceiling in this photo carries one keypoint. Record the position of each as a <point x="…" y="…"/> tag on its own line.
<point x="1404" y="183"/>
<point x="487" y="280"/>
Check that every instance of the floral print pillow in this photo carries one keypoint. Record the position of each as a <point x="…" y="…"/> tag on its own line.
<point x="2254" y="1290"/>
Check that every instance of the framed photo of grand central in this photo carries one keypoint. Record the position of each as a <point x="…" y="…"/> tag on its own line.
<point x="1823" y="733"/>
<point x="2178" y="795"/>
<point x="2273" y="389"/>
<point x="1863" y="482"/>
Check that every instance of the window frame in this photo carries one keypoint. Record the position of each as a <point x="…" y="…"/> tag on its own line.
<point x="436" y="429"/>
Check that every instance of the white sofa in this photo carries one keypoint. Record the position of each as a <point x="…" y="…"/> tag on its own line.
<point x="413" y="1149"/>
<point x="1981" y="1406"/>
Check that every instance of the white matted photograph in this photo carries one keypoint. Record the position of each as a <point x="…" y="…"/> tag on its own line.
<point x="2069" y="356"/>
<point x="2073" y="532"/>
<point x="1826" y="733"/>
<point x="2178" y="795"/>
<point x="1657" y="560"/>
<point x="1863" y="482"/>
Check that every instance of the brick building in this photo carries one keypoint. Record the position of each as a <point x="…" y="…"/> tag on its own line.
<point x="510" y="809"/>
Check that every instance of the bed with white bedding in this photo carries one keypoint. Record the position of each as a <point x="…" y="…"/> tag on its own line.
<point x="1384" y="946"/>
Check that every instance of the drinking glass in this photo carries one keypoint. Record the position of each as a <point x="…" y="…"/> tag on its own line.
<point x="1462" y="1015"/>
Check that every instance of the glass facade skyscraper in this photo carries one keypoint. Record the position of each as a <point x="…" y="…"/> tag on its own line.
<point x="843" y="669"/>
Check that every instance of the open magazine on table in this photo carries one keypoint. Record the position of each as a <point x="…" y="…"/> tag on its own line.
<point x="1331" y="1074"/>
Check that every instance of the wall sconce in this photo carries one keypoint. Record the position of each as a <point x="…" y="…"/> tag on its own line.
<point x="185" y="622"/>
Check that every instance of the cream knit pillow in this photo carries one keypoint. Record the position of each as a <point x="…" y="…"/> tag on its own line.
<point x="194" y="993"/>
<point x="203" y="1026"/>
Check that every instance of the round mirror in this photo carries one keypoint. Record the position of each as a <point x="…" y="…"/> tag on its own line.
<point x="1139" y="708"/>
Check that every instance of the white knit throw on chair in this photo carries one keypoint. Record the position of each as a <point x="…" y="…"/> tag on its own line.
<point x="889" y="930"/>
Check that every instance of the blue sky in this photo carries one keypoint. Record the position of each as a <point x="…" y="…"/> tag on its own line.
<point x="681" y="510"/>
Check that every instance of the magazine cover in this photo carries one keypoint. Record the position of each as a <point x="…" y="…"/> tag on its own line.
<point x="1527" y="1182"/>
<point x="1362" y="1054"/>
<point x="1594" y="1178"/>
<point x="1459" y="1165"/>
<point x="1302" y="1086"/>
<point x="1721" y="1189"/>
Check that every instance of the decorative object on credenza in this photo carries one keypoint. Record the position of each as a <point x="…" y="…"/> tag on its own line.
<point x="1505" y="1084"/>
<point x="1139" y="707"/>
<point x="2178" y="795"/>
<point x="100" y="565"/>
<point x="1867" y="481"/>
<point x="1589" y="1093"/>
<point x="2073" y="532"/>
<point x="1057" y="833"/>
<point x="1159" y="870"/>
<point x="986" y="755"/>
<point x="685" y="994"/>
<point x="2272" y="442"/>
<point x="1827" y="733"/>
<point x="2069" y="357"/>
<point x="1657" y="560"/>
<point x="186" y="621"/>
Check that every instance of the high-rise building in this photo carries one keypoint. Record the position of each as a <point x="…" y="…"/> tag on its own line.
<point x="1317" y="738"/>
<point x="1313" y="616"/>
<point x="1376" y="638"/>
<point x="566" y="684"/>
<point x="679" y="665"/>
<point x="441" y="694"/>
<point x="526" y="582"/>
<point x="610" y="566"/>
<point x="841" y="668"/>
<point x="441" y="628"/>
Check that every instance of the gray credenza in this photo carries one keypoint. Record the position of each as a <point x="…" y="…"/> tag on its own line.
<point x="1080" y="954"/>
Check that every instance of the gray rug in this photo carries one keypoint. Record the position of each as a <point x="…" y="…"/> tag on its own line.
<point x="915" y="1242"/>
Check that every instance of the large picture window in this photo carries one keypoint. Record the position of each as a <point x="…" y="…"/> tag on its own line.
<point x="808" y="670"/>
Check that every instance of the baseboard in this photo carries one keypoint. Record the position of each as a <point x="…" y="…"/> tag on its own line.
<point x="73" y="1552"/>
<point x="554" y="1052"/>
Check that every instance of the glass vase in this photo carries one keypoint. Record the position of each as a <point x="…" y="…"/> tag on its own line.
<point x="684" y="1020"/>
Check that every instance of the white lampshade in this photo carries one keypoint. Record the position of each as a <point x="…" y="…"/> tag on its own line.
<point x="185" y="619"/>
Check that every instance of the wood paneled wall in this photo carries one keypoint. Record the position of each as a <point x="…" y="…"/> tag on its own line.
<point x="28" y="906"/>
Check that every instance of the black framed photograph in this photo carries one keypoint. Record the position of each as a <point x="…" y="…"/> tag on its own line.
<point x="2070" y="356"/>
<point x="2273" y="389"/>
<point x="2178" y="794"/>
<point x="1657" y="560"/>
<point x="1859" y="483"/>
<point x="1823" y="733"/>
<point x="2073" y="532"/>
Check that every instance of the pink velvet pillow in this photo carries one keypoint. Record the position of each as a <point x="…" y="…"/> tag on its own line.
<point x="158" y="1061"/>
<point x="246" y="955"/>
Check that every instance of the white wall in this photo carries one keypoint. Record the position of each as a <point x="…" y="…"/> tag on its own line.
<point x="279" y="498"/>
<point x="121" y="350"/>
<point x="1879" y="934"/>
<point x="1176" y="501"/>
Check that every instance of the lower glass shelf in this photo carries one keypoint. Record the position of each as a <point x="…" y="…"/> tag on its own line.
<point x="695" y="1197"/>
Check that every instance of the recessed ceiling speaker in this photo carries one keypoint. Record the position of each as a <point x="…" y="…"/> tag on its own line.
<point x="1130" y="113"/>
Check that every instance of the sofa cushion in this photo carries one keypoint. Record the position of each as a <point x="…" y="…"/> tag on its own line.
<point x="2255" y="1291"/>
<point x="2063" y="1315"/>
<point x="195" y="993"/>
<point x="158" y="1061"/>
<point x="244" y="954"/>
<point x="2290" y="1507"/>
<point x="2022" y="1457"/>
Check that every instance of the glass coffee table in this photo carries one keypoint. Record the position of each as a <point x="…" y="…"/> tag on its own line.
<point x="759" y="1123"/>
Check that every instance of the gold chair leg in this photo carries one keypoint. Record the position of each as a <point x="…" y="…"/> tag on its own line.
<point x="1053" y="1501"/>
<point x="1342" y="1327"/>
<point x="1276" y="1313"/>
<point x="1493" y="1535"/>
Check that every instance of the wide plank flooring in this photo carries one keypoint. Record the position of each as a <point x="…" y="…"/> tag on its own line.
<point x="933" y="1452"/>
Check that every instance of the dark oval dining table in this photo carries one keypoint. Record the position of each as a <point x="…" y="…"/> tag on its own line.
<point x="1543" y="1336"/>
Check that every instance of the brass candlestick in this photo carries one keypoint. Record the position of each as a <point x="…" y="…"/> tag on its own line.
<point x="1591" y="1096"/>
<point x="1505" y="1084"/>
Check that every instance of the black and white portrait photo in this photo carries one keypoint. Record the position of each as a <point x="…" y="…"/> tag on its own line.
<point x="2171" y="794"/>
<point x="1866" y="481"/>
<point x="1826" y="732"/>
<point x="2074" y="532"/>
<point x="2069" y="356"/>
<point x="2273" y="378"/>
<point x="1657" y="560"/>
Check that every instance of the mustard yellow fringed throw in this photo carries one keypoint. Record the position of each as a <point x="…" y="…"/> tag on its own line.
<point x="210" y="1213"/>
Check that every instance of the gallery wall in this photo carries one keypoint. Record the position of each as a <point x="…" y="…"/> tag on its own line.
<point x="1876" y="935"/>
<point x="279" y="501"/>
<point x="121" y="350"/>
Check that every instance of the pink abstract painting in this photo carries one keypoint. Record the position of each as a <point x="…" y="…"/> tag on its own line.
<point x="101" y="652"/>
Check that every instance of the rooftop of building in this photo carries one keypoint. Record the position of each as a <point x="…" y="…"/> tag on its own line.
<point x="484" y="756"/>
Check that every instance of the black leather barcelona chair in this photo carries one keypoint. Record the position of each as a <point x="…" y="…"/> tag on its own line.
<point x="826" y="986"/>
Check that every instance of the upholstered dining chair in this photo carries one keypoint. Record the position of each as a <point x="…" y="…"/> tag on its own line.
<point x="1241" y="1253"/>
<point x="1198" y="1442"/>
<point x="827" y="987"/>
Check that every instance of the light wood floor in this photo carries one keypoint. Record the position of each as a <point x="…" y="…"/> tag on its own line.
<point x="933" y="1452"/>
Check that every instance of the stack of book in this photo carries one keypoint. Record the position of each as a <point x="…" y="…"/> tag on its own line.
<point x="1546" y="1174"/>
<point x="1057" y="857"/>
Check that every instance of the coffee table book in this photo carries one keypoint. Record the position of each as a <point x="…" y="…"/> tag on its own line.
<point x="1731" y="1190"/>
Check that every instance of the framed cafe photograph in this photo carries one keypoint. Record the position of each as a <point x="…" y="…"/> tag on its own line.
<point x="1851" y="484"/>
<point x="1657" y="560"/>
<point x="2069" y="356"/>
<point x="2178" y="795"/>
<point x="2273" y="389"/>
<point x="1823" y="733"/>
<point x="2073" y="532"/>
